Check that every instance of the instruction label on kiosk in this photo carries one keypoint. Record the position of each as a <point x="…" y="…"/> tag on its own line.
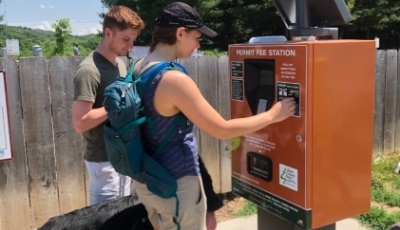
<point x="237" y="89"/>
<point x="5" y="143"/>
<point x="237" y="69"/>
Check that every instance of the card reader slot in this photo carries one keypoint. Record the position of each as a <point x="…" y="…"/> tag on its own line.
<point x="259" y="166"/>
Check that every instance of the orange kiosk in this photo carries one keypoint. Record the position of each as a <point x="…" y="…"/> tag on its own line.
<point x="314" y="168"/>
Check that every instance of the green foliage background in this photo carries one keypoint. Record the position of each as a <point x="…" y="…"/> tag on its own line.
<point x="238" y="20"/>
<point x="47" y="40"/>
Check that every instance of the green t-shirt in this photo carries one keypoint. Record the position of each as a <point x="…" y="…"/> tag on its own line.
<point x="92" y="76"/>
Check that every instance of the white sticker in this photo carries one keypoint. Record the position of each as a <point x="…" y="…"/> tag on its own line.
<point x="288" y="177"/>
<point x="262" y="106"/>
<point x="3" y="140"/>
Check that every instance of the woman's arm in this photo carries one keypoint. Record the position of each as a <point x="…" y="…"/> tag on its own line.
<point x="178" y="92"/>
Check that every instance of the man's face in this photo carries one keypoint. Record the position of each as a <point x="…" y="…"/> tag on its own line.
<point x="120" y="41"/>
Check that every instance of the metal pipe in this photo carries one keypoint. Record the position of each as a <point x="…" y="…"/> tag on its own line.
<point x="302" y="17"/>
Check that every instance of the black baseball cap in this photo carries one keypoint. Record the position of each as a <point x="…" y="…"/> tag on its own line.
<point x="179" y="14"/>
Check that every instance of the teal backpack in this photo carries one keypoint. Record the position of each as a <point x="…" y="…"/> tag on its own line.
<point x="123" y="136"/>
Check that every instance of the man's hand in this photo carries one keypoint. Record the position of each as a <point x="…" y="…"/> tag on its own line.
<point x="211" y="221"/>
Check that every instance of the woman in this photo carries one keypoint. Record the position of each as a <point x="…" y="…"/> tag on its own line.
<point x="172" y="93"/>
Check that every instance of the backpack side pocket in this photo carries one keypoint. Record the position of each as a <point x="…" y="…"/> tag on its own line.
<point x="157" y="179"/>
<point x="125" y="156"/>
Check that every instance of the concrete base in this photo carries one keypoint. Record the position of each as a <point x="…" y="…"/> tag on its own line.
<point x="269" y="221"/>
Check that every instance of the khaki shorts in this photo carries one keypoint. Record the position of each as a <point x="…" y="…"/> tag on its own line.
<point x="192" y="205"/>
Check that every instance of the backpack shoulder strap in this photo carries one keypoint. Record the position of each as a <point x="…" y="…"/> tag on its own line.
<point x="129" y="75"/>
<point x="148" y="75"/>
<point x="177" y="66"/>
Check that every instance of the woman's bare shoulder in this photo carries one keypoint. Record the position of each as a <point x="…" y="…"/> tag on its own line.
<point x="177" y="77"/>
<point x="178" y="84"/>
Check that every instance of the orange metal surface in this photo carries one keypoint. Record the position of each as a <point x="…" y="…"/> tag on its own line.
<point x="327" y="148"/>
<point x="343" y="101"/>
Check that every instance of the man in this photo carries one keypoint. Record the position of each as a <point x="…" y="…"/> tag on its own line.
<point x="121" y="26"/>
<point x="76" y="50"/>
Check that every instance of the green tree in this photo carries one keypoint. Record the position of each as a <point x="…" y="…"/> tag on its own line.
<point x="371" y="18"/>
<point x="235" y="20"/>
<point x="376" y="14"/>
<point x="62" y="33"/>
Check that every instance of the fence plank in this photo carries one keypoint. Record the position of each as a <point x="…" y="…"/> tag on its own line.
<point x="225" y="167"/>
<point x="390" y="101"/>
<point x="396" y="67"/>
<point x="68" y="144"/>
<point x="208" y="85"/>
<point x="379" y="101"/>
<point x="14" y="196"/>
<point x="39" y="138"/>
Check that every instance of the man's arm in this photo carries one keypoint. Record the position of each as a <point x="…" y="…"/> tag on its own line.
<point x="84" y="117"/>
<point x="86" y="84"/>
<point x="213" y="201"/>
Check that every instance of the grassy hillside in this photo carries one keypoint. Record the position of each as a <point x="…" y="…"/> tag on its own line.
<point x="29" y="37"/>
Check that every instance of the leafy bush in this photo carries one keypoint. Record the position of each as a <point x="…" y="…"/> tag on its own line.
<point x="385" y="185"/>
<point x="379" y="219"/>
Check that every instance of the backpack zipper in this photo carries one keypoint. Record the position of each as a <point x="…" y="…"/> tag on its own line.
<point x="126" y="90"/>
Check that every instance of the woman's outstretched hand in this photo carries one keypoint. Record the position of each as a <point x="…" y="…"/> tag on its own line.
<point x="283" y="109"/>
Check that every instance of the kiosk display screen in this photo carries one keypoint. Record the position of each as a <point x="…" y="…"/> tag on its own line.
<point x="260" y="84"/>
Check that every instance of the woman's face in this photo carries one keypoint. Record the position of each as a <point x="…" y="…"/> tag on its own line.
<point x="188" y="41"/>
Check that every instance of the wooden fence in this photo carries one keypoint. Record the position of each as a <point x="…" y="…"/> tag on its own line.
<point x="47" y="175"/>
<point x="387" y="102"/>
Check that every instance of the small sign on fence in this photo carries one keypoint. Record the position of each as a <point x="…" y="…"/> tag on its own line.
<point x="12" y="46"/>
<point x="5" y="143"/>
